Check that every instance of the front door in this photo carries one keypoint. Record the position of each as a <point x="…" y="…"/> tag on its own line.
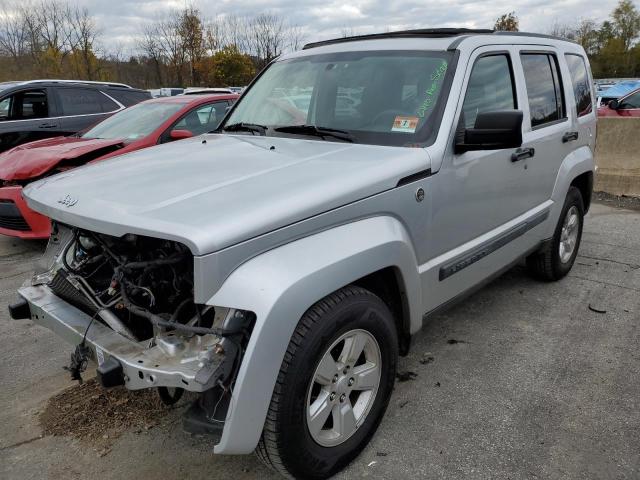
<point x="477" y="195"/>
<point x="26" y="116"/>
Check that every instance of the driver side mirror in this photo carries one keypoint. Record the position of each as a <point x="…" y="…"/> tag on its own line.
<point x="492" y="131"/>
<point x="614" y="104"/>
<point x="180" y="134"/>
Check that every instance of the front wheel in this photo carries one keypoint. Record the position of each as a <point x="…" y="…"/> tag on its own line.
<point x="556" y="258"/>
<point x="333" y="387"/>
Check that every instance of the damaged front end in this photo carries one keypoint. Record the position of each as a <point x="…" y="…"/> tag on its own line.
<point x="128" y="304"/>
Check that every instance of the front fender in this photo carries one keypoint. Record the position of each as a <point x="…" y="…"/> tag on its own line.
<point x="281" y="284"/>
<point x="576" y="163"/>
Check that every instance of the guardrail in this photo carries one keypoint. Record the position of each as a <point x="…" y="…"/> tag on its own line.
<point x="618" y="156"/>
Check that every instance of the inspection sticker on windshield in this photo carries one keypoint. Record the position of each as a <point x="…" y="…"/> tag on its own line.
<point x="405" y="124"/>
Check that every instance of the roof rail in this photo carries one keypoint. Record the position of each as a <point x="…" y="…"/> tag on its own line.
<point x="423" y="32"/>
<point x="460" y="33"/>
<point x="90" y="82"/>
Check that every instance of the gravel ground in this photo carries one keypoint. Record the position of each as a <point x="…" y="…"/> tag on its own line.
<point x="521" y="380"/>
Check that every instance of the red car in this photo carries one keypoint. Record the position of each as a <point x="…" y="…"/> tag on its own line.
<point x="143" y="125"/>
<point x="627" y="106"/>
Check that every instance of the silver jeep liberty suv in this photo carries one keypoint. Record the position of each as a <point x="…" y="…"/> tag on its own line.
<point x="279" y="265"/>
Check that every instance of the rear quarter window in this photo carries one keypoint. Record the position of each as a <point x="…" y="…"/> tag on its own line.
<point x="581" y="84"/>
<point x="128" y="97"/>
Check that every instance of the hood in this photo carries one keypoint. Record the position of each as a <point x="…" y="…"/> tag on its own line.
<point x="34" y="159"/>
<point x="214" y="191"/>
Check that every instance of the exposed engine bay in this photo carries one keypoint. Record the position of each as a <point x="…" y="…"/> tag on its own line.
<point x="142" y="289"/>
<point x="138" y="285"/>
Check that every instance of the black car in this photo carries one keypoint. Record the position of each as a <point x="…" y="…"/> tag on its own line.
<point x="38" y="109"/>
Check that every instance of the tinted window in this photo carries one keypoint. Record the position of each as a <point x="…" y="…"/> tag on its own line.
<point x="581" y="85"/>
<point x="543" y="88"/>
<point x="490" y="88"/>
<point x="128" y="96"/>
<point x="83" y="101"/>
<point x="25" y="105"/>
<point x="632" y="101"/>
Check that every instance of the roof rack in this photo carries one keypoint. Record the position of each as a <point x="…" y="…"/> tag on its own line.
<point x="430" y="33"/>
<point x="90" y="82"/>
<point x="422" y="32"/>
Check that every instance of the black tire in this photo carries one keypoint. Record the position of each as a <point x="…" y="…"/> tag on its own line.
<point x="286" y="444"/>
<point x="546" y="264"/>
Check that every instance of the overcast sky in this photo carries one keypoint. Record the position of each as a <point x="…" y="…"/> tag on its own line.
<point x="121" y="20"/>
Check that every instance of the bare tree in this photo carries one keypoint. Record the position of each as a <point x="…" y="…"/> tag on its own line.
<point x="267" y="38"/>
<point x="84" y="34"/>
<point x="13" y="35"/>
<point x="563" y="30"/>
<point x="295" y="37"/>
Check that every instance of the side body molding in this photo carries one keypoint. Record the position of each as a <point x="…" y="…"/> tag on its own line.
<point x="576" y="163"/>
<point x="286" y="281"/>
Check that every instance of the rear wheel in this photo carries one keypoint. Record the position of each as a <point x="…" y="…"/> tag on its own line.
<point x="557" y="256"/>
<point x="333" y="387"/>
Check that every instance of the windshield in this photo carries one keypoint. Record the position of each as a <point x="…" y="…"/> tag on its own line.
<point x="377" y="97"/>
<point x="134" y="122"/>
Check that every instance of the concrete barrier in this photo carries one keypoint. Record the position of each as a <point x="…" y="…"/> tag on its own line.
<point x="618" y="156"/>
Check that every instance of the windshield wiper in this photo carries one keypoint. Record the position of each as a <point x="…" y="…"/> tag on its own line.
<point x="317" y="132"/>
<point x="246" y="127"/>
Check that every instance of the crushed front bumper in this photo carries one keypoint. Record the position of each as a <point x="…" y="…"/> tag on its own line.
<point x="142" y="366"/>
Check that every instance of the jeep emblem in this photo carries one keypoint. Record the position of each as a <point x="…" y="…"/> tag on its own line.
<point x="68" y="201"/>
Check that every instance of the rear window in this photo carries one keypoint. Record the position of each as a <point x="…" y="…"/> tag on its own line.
<point x="544" y="91"/>
<point x="581" y="85"/>
<point x="84" y="101"/>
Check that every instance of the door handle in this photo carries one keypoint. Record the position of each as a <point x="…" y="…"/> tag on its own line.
<point x="47" y="125"/>
<point x="522" y="153"/>
<point x="569" y="137"/>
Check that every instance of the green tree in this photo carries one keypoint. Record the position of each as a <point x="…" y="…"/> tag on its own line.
<point x="233" y="67"/>
<point x="626" y="22"/>
<point x="507" y="23"/>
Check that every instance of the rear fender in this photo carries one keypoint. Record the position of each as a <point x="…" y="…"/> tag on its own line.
<point x="575" y="164"/>
<point x="281" y="284"/>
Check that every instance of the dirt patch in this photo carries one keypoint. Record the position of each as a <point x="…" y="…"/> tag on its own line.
<point x="98" y="416"/>
<point x="619" y="201"/>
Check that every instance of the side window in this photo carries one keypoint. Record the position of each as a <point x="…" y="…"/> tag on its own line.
<point x="544" y="88"/>
<point x="581" y="85"/>
<point x="107" y="104"/>
<point x="632" y="101"/>
<point x="25" y="105"/>
<point x="81" y="101"/>
<point x="203" y="119"/>
<point x="4" y="108"/>
<point x="490" y="88"/>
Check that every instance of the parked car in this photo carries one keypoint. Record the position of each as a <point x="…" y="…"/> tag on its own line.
<point x="39" y="109"/>
<point x="146" y="124"/>
<point x="279" y="268"/>
<point x="627" y="106"/>
<point x="616" y="91"/>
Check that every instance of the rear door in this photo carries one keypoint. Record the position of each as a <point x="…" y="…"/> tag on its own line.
<point x="549" y="127"/>
<point x="83" y="107"/>
<point x="27" y="115"/>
